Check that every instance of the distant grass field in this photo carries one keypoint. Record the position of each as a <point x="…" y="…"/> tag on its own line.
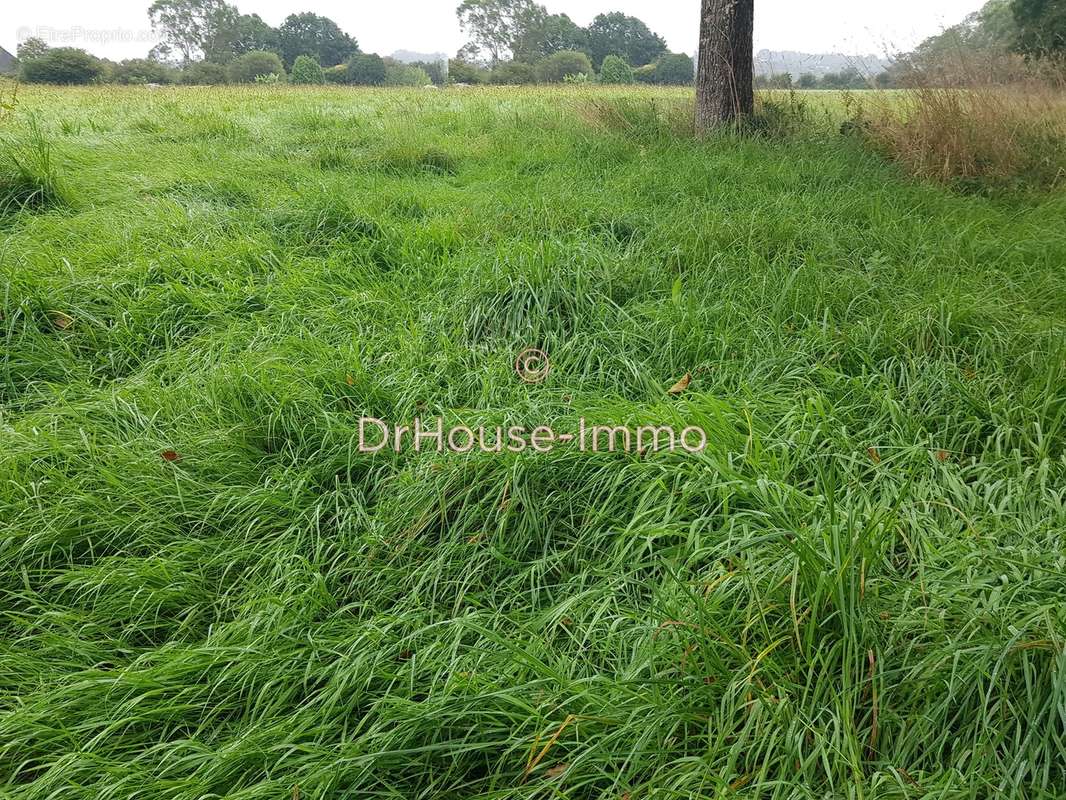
<point x="856" y="591"/>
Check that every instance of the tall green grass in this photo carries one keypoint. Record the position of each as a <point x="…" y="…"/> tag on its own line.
<point x="856" y="591"/>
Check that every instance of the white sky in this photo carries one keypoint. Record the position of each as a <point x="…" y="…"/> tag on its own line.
<point x="118" y="29"/>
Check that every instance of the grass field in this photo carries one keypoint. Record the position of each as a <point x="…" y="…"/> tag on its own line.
<point x="857" y="590"/>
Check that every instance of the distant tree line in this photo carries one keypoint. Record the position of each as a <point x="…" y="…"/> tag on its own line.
<point x="519" y="41"/>
<point x="511" y="42"/>
<point x="211" y="42"/>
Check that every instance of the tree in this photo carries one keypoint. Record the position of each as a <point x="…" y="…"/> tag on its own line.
<point x="540" y="35"/>
<point x="189" y="26"/>
<point x="624" y="36"/>
<point x="674" y="69"/>
<point x="305" y="70"/>
<point x="724" y="90"/>
<point x="462" y="71"/>
<point x="1041" y="27"/>
<point x="495" y="26"/>
<point x="31" y="48"/>
<point x="512" y="73"/>
<point x="808" y="80"/>
<point x="400" y="74"/>
<point x="436" y="71"/>
<point x="616" y="70"/>
<point x="253" y="65"/>
<point x="559" y="66"/>
<point x="204" y="73"/>
<point x="142" y="70"/>
<point x="320" y="37"/>
<point x="67" y="65"/>
<point x="366" y="69"/>
<point x="236" y="34"/>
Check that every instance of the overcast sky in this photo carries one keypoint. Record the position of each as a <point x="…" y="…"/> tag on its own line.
<point x="118" y="29"/>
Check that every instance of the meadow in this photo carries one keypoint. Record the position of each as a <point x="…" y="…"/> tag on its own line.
<point x="855" y="591"/>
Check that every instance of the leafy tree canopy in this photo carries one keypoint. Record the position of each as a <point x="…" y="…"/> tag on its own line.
<point x="625" y="36"/>
<point x="66" y="65"/>
<point x="1041" y="27"/>
<point x="31" y="48"/>
<point x="236" y="34"/>
<point x="559" y="66"/>
<point x="305" y="70"/>
<point x="256" y="64"/>
<point x="615" y="70"/>
<point x="495" y="26"/>
<point x="188" y="27"/>
<point x="366" y="69"/>
<point x="317" y="36"/>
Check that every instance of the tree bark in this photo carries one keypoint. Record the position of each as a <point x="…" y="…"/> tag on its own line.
<point x="724" y="78"/>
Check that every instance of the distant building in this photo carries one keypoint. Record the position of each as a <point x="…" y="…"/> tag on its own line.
<point x="7" y="62"/>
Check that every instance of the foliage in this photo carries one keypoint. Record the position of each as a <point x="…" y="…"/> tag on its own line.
<point x="398" y="74"/>
<point x="305" y="70"/>
<point x="1041" y="27"/>
<point x="615" y="70"/>
<point x="251" y="66"/>
<point x="645" y="74"/>
<point x="236" y="34"/>
<point x="31" y="48"/>
<point x="366" y="69"/>
<point x="495" y="25"/>
<point x="336" y="75"/>
<point x="143" y="70"/>
<point x="63" y="65"/>
<point x="317" y="36"/>
<point x="461" y="71"/>
<point x="204" y="73"/>
<point x="618" y="34"/>
<point x="556" y="67"/>
<point x="514" y="73"/>
<point x="674" y="69"/>
<point x="544" y="34"/>
<point x="436" y="70"/>
<point x="189" y="26"/>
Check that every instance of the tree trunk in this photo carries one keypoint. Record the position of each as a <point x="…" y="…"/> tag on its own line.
<point x="724" y="78"/>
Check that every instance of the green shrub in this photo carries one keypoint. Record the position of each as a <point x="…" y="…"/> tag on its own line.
<point x="513" y="73"/>
<point x="557" y="66"/>
<point x="337" y="74"/>
<point x="203" y="73"/>
<point x="460" y="71"/>
<point x="675" y="69"/>
<point x="645" y="74"/>
<point x="397" y="74"/>
<point x="142" y="70"/>
<point x="366" y="69"/>
<point x="253" y="65"/>
<point x="62" y="65"/>
<point x="305" y="70"/>
<point x="615" y="70"/>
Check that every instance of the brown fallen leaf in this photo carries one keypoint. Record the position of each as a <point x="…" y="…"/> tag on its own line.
<point x="942" y="456"/>
<point x="60" y="321"/>
<point x="348" y="379"/>
<point x="170" y="455"/>
<point x="874" y="455"/>
<point x="556" y="771"/>
<point x="681" y="385"/>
